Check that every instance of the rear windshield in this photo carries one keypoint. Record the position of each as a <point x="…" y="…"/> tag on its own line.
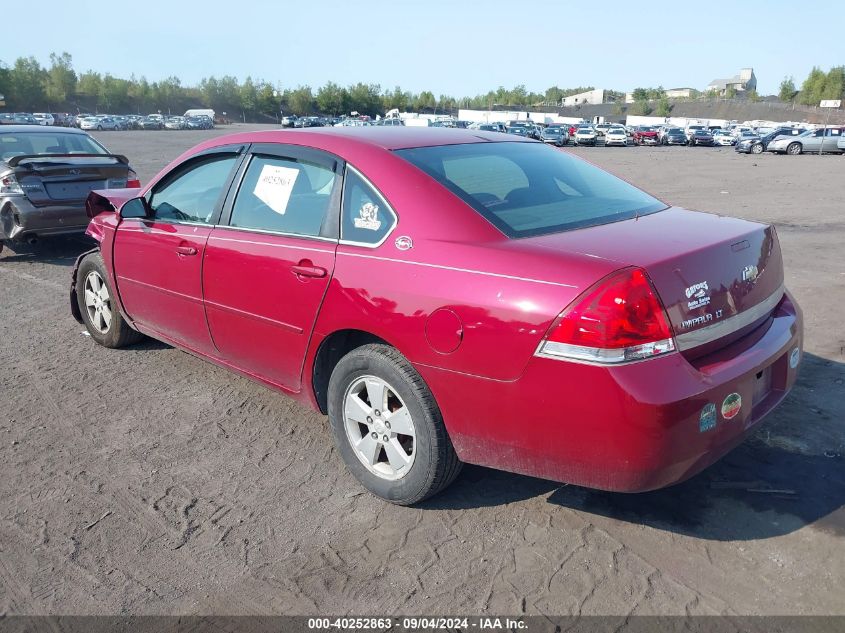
<point x="527" y="189"/>
<point x="26" y="143"/>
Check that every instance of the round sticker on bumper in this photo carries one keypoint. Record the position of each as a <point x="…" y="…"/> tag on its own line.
<point x="731" y="406"/>
<point x="794" y="358"/>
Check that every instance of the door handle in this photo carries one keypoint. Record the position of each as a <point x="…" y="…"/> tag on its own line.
<point x="308" y="270"/>
<point x="186" y="250"/>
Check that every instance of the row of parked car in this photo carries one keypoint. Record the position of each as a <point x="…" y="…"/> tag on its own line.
<point x="109" y="121"/>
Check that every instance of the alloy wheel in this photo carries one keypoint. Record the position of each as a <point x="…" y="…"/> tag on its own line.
<point x="379" y="428"/>
<point x="98" y="302"/>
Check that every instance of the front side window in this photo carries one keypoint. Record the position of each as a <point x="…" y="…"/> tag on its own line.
<point x="192" y="195"/>
<point x="527" y="189"/>
<point x="284" y="195"/>
<point x="366" y="217"/>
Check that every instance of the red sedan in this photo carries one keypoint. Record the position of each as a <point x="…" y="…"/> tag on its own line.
<point x="451" y="296"/>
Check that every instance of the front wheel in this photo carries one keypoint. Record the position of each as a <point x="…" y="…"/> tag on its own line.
<point x="102" y="319"/>
<point x="757" y="149"/>
<point x="388" y="428"/>
<point x="793" y="149"/>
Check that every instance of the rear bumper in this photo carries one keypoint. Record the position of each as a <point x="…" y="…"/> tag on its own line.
<point x="629" y="428"/>
<point x="20" y="220"/>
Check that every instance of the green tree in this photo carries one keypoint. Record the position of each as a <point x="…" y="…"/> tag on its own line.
<point x="61" y="79"/>
<point x="300" y="100"/>
<point x="248" y="97"/>
<point x="730" y="92"/>
<point x="834" y="84"/>
<point x="332" y="99"/>
<point x="27" y="81"/>
<point x="787" y="90"/>
<point x="642" y="107"/>
<point x="664" y="108"/>
<point x="813" y="87"/>
<point x="89" y="84"/>
<point x="752" y="96"/>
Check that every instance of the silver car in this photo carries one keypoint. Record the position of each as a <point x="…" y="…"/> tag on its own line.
<point x="821" y="140"/>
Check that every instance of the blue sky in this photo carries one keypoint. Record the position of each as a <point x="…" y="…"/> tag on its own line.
<point x="455" y="48"/>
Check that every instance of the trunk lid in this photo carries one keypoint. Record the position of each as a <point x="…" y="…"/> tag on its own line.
<point x="718" y="277"/>
<point x="51" y="179"/>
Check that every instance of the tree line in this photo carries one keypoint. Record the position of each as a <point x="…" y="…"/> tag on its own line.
<point x="29" y="86"/>
<point x="57" y="87"/>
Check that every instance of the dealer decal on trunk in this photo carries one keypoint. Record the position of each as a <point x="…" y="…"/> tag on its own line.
<point x="731" y="406"/>
<point x="698" y="295"/>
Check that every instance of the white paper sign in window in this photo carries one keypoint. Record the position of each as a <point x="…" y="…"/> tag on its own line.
<point x="275" y="185"/>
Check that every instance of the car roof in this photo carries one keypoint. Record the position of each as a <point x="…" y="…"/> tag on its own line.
<point x="388" y="137"/>
<point x="40" y="128"/>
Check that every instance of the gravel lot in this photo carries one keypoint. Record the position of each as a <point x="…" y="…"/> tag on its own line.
<point x="146" y="481"/>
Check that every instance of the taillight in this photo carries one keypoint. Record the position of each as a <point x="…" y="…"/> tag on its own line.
<point x="619" y="320"/>
<point x="9" y="186"/>
<point x="132" y="181"/>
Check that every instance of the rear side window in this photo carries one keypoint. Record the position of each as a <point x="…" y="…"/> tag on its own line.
<point x="284" y="195"/>
<point x="366" y="217"/>
<point x="528" y="189"/>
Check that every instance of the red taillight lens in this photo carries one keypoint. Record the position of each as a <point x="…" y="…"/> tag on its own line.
<point x="618" y="321"/>
<point x="132" y="181"/>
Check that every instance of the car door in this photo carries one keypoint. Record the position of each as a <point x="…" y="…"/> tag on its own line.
<point x="831" y="136"/>
<point x="813" y="142"/>
<point x="158" y="259"/>
<point x="269" y="262"/>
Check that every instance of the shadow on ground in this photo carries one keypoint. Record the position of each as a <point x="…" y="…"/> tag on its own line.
<point x="59" y="251"/>
<point x="771" y="485"/>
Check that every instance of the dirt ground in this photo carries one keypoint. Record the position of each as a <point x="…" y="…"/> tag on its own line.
<point x="146" y="481"/>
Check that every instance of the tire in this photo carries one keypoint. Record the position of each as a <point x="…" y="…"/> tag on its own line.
<point x="793" y="149"/>
<point x="109" y="329"/>
<point x="756" y="149"/>
<point x="432" y="463"/>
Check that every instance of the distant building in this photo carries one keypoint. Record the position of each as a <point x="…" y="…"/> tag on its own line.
<point x="592" y="97"/>
<point x="672" y="93"/>
<point x="745" y="80"/>
<point x="679" y="93"/>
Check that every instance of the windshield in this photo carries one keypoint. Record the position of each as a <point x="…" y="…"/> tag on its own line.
<point x="527" y="189"/>
<point x="29" y="143"/>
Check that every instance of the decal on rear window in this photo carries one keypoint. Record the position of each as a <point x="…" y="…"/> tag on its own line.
<point x="275" y="185"/>
<point x="368" y="217"/>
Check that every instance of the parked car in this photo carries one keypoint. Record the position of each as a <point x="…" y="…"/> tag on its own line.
<point x="556" y="135"/>
<point x="645" y="135"/>
<point x="150" y="123"/>
<point x="7" y="118"/>
<point x="615" y="136"/>
<point x="585" y="136"/>
<point x="758" y="145"/>
<point x="841" y="143"/>
<point x="723" y="138"/>
<point x="43" y="118"/>
<point x="175" y="123"/>
<point x="674" y="136"/>
<point x="822" y="139"/>
<point x="46" y="173"/>
<point x="519" y="130"/>
<point x="90" y="123"/>
<point x="289" y="120"/>
<point x="692" y="129"/>
<point x="701" y="137"/>
<point x="493" y="127"/>
<point x="24" y="118"/>
<point x="653" y="346"/>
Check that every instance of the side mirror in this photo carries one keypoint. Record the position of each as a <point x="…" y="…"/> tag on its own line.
<point x="135" y="208"/>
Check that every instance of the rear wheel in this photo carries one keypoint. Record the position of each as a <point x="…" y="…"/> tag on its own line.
<point x="388" y="428"/>
<point x="793" y="149"/>
<point x="102" y="319"/>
